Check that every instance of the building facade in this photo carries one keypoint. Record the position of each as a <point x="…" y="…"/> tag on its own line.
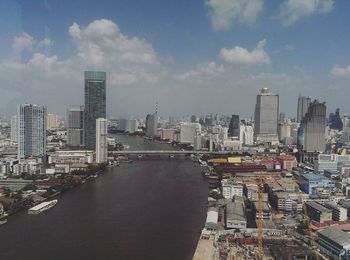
<point x="95" y="104"/>
<point x="303" y="105"/>
<point x="31" y="131"/>
<point x="75" y="126"/>
<point x="151" y="124"/>
<point x="14" y="129"/>
<point x="313" y="128"/>
<point x="266" y="117"/>
<point x="233" y="130"/>
<point x="101" y="140"/>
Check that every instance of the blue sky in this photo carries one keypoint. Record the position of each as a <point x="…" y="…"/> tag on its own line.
<point x="195" y="56"/>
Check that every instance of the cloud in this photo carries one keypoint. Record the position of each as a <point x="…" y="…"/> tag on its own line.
<point x="203" y="71"/>
<point x="340" y="72"/>
<point x="23" y="42"/>
<point x="224" y="12"/>
<point x="239" y="55"/>
<point x="128" y="61"/>
<point x="291" y="11"/>
<point x="289" y="47"/>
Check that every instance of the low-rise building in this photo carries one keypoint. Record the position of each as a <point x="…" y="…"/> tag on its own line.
<point x="317" y="212"/>
<point x="339" y="213"/>
<point x="235" y="214"/>
<point x="308" y="181"/>
<point x="334" y="243"/>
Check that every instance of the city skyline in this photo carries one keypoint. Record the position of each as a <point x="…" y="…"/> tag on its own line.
<point x="224" y="49"/>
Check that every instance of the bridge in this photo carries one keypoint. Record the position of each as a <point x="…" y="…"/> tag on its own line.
<point x="166" y="152"/>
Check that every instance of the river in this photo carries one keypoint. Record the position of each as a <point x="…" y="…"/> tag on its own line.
<point x="153" y="208"/>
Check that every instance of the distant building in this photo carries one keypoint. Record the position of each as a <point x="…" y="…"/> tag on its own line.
<point x="52" y="121"/>
<point x="101" y="140"/>
<point x="303" y="105"/>
<point x="188" y="131"/>
<point x="335" y="122"/>
<point x="266" y="117"/>
<point x="95" y="104"/>
<point x="233" y="130"/>
<point x="308" y="181"/>
<point x="151" y="124"/>
<point x="246" y="134"/>
<point x="132" y="126"/>
<point x="313" y="127"/>
<point x="32" y="131"/>
<point x="75" y="126"/>
<point x="14" y="129"/>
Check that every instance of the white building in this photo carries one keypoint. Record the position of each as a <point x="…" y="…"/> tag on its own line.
<point x="14" y="129"/>
<point x="188" y="131"/>
<point x="32" y="131"/>
<point x="52" y="121"/>
<point x="101" y="140"/>
<point x="246" y="134"/>
<point x="132" y="126"/>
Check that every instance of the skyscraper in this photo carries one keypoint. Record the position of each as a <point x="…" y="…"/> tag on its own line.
<point x="313" y="127"/>
<point x="75" y="126"/>
<point x="303" y="104"/>
<point x="151" y="124"/>
<point x="52" y="121"/>
<point x="95" y="104"/>
<point x="266" y="117"/>
<point x="14" y="129"/>
<point x="233" y="129"/>
<point x="32" y="131"/>
<point x="101" y="140"/>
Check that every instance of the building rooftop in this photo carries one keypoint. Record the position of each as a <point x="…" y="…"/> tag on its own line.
<point x="317" y="206"/>
<point x="338" y="236"/>
<point x="235" y="211"/>
<point x="313" y="177"/>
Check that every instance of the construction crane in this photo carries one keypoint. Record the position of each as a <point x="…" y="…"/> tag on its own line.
<point x="261" y="181"/>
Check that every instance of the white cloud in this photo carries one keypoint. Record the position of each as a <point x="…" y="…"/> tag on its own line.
<point x="239" y="55"/>
<point x="291" y="11"/>
<point x="224" y="12"/>
<point x="203" y="71"/>
<point x="340" y="72"/>
<point x="23" y="42"/>
<point x="289" y="47"/>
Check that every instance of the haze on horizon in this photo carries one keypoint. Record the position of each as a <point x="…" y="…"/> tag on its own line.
<point x="192" y="57"/>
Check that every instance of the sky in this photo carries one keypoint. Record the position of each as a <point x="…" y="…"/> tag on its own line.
<point x="190" y="57"/>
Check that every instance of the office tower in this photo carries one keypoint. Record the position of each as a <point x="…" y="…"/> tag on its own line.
<point x="14" y="129"/>
<point x="266" y="117"/>
<point x="101" y="140"/>
<point x="233" y="130"/>
<point x="32" y="131"/>
<point x="122" y="124"/>
<point x="151" y="124"/>
<point x="95" y="104"/>
<point x="52" y="122"/>
<point x="75" y="126"/>
<point x="303" y="104"/>
<point x="312" y="128"/>
<point x="281" y="117"/>
<point x="188" y="132"/>
<point x="335" y="121"/>
<point x="246" y="135"/>
<point x="132" y="126"/>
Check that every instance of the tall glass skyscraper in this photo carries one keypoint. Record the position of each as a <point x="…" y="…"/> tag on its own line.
<point x="95" y="104"/>
<point x="75" y="126"/>
<point x="303" y="105"/>
<point x="31" y="131"/>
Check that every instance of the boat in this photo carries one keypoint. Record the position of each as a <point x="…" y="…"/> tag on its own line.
<point x="2" y="222"/>
<point x="42" y="207"/>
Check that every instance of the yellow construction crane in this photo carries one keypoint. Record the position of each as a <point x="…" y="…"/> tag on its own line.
<point x="261" y="181"/>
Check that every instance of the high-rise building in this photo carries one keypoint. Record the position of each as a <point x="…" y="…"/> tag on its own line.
<point x="233" y="130"/>
<point x="345" y="120"/>
<point x="14" y="129"/>
<point x="246" y="134"/>
<point x="313" y="127"/>
<point x="52" y="121"/>
<point x="335" y="122"/>
<point x="95" y="104"/>
<point x="32" y="131"/>
<point x="303" y="104"/>
<point x="101" y="140"/>
<point x="151" y="124"/>
<point x="75" y="126"/>
<point x="132" y="126"/>
<point x="266" y="117"/>
<point x="189" y="131"/>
